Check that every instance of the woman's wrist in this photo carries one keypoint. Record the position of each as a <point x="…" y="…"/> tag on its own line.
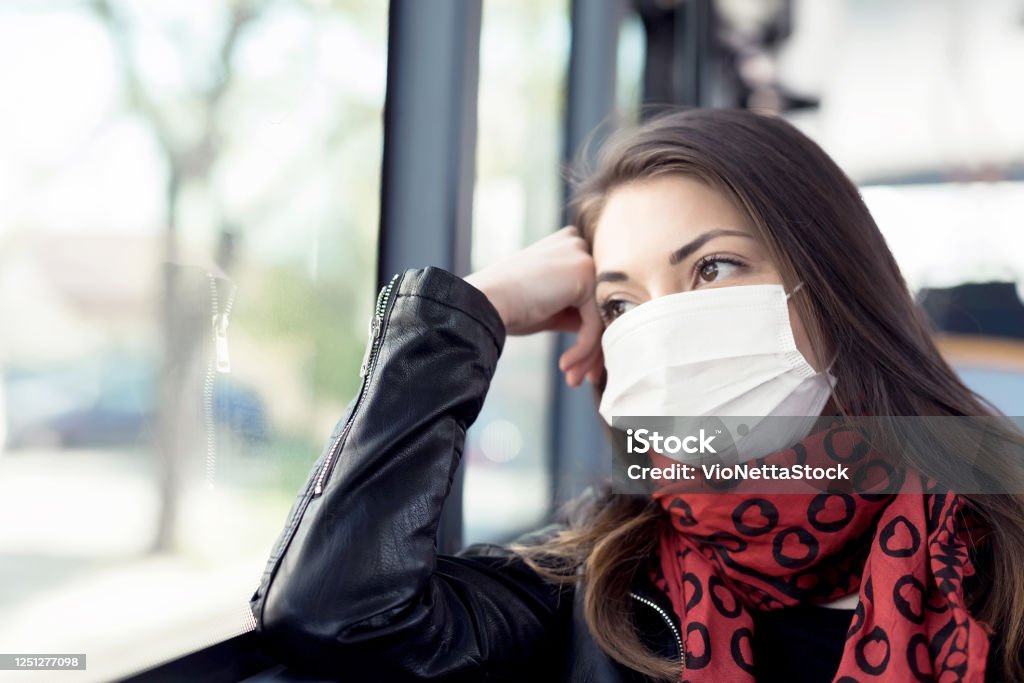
<point x="491" y="294"/>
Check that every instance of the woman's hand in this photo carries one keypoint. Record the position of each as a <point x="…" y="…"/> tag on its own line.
<point x="549" y="285"/>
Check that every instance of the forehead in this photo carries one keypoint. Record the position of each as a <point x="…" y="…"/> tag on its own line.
<point x="653" y="216"/>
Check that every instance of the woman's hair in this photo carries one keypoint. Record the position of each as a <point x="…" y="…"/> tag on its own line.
<point x="816" y="229"/>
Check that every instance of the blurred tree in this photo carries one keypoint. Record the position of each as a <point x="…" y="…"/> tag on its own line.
<point x="189" y="157"/>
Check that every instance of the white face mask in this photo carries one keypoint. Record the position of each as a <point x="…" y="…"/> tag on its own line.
<point x="724" y="352"/>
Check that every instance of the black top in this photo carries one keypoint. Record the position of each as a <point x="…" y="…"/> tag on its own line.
<point x="802" y="644"/>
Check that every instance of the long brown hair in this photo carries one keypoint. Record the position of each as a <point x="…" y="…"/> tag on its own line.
<point x="817" y="229"/>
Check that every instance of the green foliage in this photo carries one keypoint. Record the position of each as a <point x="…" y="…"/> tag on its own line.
<point x="313" y="320"/>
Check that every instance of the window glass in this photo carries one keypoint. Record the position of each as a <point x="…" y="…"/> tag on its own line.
<point x="629" y="77"/>
<point x="517" y="200"/>
<point x="916" y="106"/>
<point x="187" y="243"/>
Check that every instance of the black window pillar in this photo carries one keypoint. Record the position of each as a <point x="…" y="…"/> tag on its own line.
<point x="580" y="454"/>
<point x="429" y="151"/>
<point x="680" y="45"/>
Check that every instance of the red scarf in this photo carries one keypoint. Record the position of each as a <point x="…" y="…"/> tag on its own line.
<point x="726" y="554"/>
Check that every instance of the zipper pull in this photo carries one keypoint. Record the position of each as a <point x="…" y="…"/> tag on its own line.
<point x="220" y="335"/>
<point x="375" y="325"/>
<point x="376" y="329"/>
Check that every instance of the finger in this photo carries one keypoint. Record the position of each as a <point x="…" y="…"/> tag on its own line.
<point x="566" y="320"/>
<point x="572" y="356"/>
<point x="566" y="232"/>
<point x="596" y="368"/>
<point x="582" y="366"/>
<point x="587" y="338"/>
<point x="584" y="369"/>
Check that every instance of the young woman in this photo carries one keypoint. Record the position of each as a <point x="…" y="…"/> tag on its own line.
<point x="699" y="234"/>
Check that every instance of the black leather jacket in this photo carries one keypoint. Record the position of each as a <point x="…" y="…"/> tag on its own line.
<point x="354" y="588"/>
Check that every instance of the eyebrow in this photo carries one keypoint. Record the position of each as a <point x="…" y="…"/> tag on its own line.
<point x="679" y="254"/>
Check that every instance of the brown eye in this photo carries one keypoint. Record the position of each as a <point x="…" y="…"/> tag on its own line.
<point x="715" y="268"/>
<point x="709" y="271"/>
<point x="613" y="308"/>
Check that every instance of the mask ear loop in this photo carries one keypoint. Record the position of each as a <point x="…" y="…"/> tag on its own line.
<point x="832" y="362"/>
<point x="796" y="289"/>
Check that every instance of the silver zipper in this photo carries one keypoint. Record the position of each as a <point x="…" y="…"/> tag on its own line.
<point x="374" y="332"/>
<point x="668" y="620"/>
<point x="219" y="362"/>
<point x="369" y="358"/>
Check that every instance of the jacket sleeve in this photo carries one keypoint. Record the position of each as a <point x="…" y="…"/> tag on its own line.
<point x="354" y="586"/>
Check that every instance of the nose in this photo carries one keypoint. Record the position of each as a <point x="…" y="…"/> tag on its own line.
<point x="659" y="285"/>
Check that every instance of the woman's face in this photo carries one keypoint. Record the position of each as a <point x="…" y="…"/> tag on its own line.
<point x="671" y="234"/>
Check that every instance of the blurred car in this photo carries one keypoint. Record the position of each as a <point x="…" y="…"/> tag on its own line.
<point x="109" y="400"/>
